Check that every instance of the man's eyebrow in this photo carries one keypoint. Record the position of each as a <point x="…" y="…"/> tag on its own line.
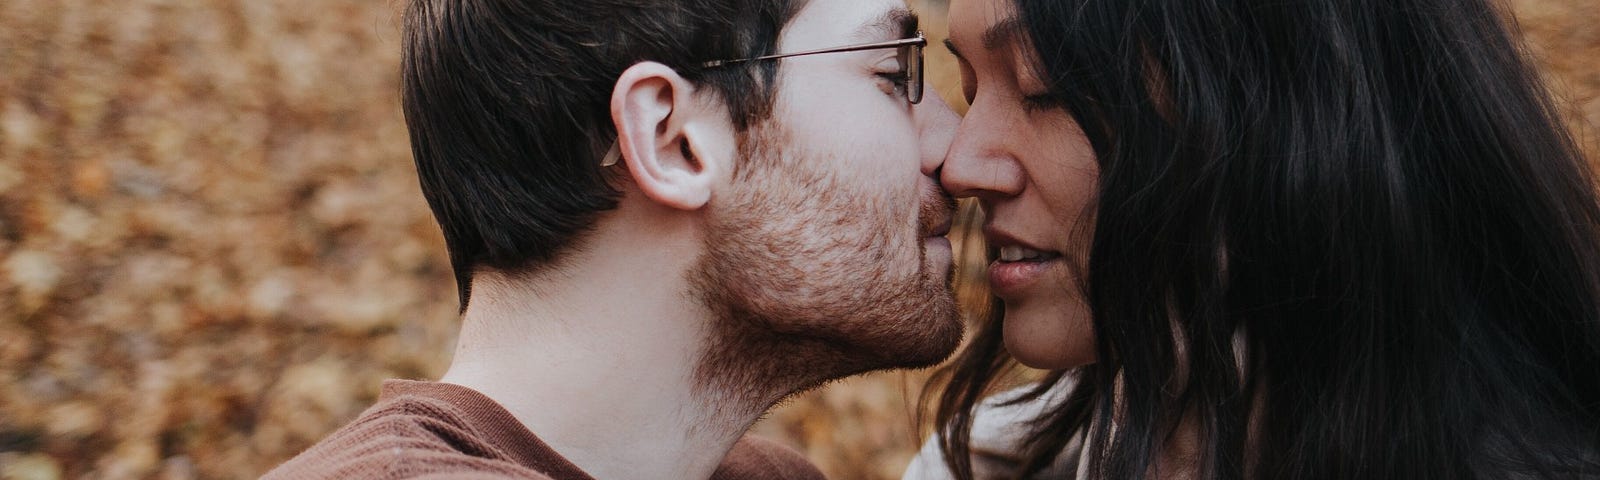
<point x="899" y="21"/>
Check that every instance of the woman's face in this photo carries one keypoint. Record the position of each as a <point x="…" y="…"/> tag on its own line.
<point x="1032" y="170"/>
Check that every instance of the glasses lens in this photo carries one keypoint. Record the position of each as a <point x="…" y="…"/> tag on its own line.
<point x="914" y="74"/>
<point x="910" y="57"/>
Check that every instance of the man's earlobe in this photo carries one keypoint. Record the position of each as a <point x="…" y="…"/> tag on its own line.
<point x="654" y="112"/>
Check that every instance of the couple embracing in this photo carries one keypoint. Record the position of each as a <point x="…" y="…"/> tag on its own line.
<point x="1250" y="239"/>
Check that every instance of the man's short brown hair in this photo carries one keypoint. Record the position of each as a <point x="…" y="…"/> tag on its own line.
<point x="507" y="105"/>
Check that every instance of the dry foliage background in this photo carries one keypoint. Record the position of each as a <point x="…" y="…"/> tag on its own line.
<point x="213" y="248"/>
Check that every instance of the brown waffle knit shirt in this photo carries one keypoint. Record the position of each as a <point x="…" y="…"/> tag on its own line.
<point x="430" y="430"/>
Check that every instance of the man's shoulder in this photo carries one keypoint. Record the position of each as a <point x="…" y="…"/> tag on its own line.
<point x="440" y="432"/>
<point x="756" y="458"/>
<point x="406" y="437"/>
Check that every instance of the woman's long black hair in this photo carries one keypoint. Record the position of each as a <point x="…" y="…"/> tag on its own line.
<point x="1346" y="239"/>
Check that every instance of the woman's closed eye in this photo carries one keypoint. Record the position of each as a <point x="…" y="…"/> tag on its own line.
<point x="1039" y="102"/>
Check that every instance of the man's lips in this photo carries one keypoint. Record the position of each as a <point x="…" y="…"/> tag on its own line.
<point x="937" y="212"/>
<point x="941" y="229"/>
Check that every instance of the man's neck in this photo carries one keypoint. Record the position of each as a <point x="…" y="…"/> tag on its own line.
<point x="600" y="363"/>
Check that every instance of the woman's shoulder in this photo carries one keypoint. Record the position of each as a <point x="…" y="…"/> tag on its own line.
<point x="1000" y="425"/>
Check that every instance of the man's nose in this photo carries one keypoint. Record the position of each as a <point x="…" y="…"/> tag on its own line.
<point x="936" y="126"/>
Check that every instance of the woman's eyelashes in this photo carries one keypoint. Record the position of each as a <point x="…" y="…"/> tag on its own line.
<point x="1040" y="102"/>
<point x="969" y="83"/>
<point x="1031" y="102"/>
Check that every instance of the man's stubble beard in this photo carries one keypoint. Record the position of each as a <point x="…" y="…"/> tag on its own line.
<point x="807" y="284"/>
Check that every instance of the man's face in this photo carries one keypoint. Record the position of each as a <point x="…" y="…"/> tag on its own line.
<point x="832" y="235"/>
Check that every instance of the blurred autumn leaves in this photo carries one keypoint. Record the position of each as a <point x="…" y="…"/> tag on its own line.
<point x="212" y="246"/>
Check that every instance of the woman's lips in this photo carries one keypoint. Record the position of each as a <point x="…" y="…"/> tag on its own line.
<point x="1017" y="266"/>
<point x="1012" y="279"/>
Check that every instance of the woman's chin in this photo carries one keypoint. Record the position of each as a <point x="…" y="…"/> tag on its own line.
<point x="1049" y="338"/>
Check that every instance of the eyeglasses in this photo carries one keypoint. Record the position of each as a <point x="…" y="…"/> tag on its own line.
<point x="910" y="59"/>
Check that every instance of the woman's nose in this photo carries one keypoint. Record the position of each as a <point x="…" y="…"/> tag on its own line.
<point x="979" y="162"/>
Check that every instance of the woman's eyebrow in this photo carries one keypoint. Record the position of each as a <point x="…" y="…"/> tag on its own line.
<point x="1002" y="33"/>
<point x="997" y="36"/>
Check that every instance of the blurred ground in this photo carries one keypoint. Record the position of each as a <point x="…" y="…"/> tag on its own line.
<point x="213" y="249"/>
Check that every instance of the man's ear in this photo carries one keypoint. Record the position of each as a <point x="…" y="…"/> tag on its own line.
<point x="666" y="138"/>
